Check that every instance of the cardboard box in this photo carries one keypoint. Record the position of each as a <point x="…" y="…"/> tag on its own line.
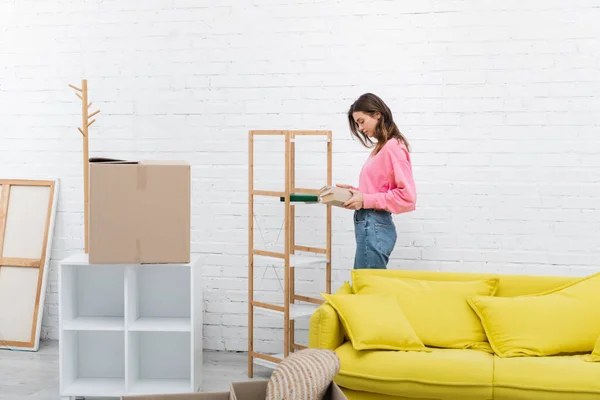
<point x="250" y="390"/>
<point x="333" y="195"/>
<point x="139" y="212"/>
<point x="257" y="390"/>
<point x="186" y="396"/>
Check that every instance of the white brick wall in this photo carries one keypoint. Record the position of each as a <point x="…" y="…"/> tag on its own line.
<point x="500" y="101"/>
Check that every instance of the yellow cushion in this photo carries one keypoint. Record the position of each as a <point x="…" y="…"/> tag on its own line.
<point x="326" y="330"/>
<point x="448" y="374"/>
<point x="595" y="356"/>
<point x="375" y="322"/>
<point x="346" y="288"/>
<point x="437" y="310"/>
<point x="509" y="285"/>
<point x="560" y="321"/>
<point x="546" y="378"/>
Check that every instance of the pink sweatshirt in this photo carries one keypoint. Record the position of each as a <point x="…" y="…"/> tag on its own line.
<point x="386" y="180"/>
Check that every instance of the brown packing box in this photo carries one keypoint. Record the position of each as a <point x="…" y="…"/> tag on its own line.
<point x="186" y="396"/>
<point x="333" y="195"/>
<point x="250" y="390"/>
<point x="257" y="390"/>
<point x="139" y="212"/>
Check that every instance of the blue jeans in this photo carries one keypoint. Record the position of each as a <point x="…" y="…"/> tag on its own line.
<point x="376" y="236"/>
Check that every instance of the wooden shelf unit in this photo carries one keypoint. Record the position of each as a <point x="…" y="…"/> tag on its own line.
<point x="294" y="305"/>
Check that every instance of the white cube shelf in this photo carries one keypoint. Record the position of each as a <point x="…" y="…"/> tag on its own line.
<point x="129" y="329"/>
<point x="94" y="298"/>
<point x="157" y="299"/>
<point x="158" y="362"/>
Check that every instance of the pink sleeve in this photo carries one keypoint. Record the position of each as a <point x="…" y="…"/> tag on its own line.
<point x="402" y="198"/>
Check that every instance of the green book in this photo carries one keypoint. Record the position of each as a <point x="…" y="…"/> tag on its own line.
<point x="305" y="198"/>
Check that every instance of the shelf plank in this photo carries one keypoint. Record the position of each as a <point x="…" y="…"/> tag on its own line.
<point x="96" y="387"/>
<point x="296" y="260"/>
<point x="267" y="363"/>
<point x="296" y="310"/>
<point x="95" y="324"/>
<point x="162" y="386"/>
<point x="82" y="259"/>
<point x="163" y="324"/>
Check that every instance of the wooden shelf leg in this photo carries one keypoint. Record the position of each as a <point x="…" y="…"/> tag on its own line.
<point x="286" y="317"/>
<point x="329" y="216"/>
<point x="250" y="254"/>
<point x="292" y="245"/>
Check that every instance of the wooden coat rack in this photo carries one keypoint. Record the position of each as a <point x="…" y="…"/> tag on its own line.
<point x="82" y="93"/>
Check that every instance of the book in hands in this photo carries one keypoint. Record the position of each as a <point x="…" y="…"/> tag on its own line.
<point x="334" y="196"/>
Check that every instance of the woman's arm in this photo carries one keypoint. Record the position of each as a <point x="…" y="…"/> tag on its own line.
<point x="343" y="186"/>
<point x="403" y="197"/>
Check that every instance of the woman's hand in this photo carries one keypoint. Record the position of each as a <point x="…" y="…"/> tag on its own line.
<point x="355" y="202"/>
<point x="343" y="186"/>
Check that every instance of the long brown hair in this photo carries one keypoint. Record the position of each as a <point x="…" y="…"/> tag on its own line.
<point x="385" y="129"/>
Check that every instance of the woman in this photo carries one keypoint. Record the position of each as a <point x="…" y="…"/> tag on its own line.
<point x="386" y="184"/>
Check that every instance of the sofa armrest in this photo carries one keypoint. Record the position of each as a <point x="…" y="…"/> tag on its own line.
<point x="325" y="330"/>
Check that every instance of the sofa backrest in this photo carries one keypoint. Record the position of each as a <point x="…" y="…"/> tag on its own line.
<point x="510" y="284"/>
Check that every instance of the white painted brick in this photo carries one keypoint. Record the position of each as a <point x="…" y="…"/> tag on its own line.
<point x="498" y="99"/>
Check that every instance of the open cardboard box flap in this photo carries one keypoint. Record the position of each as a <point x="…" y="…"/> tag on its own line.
<point x="257" y="390"/>
<point x="105" y="160"/>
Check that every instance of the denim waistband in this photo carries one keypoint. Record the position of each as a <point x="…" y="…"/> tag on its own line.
<point x="364" y="211"/>
<point x="377" y="216"/>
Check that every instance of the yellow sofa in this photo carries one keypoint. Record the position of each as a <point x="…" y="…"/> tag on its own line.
<point x="482" y="370"/>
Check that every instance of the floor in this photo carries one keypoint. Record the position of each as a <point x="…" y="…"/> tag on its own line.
<point x="34" y="375"/>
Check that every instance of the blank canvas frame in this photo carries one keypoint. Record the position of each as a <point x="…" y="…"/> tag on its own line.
<point x="27" y="214"/>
